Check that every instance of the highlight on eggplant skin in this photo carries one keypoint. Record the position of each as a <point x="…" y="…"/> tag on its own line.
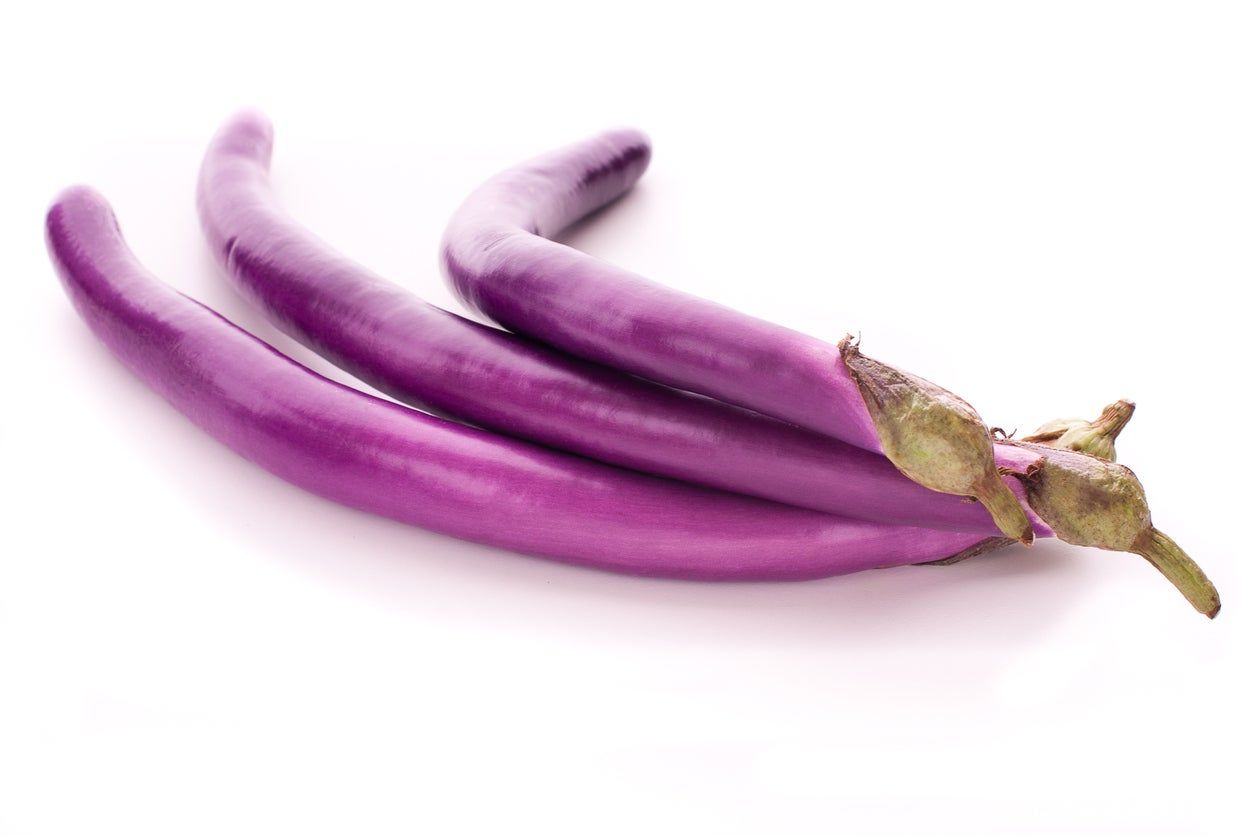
<point x="438" y="361"/>
<point x="498" y="257"/>
<point x="390" y="460"/>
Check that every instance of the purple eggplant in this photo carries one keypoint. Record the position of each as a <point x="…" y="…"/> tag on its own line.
<point x="499" y="257"/>
<point x="384" y="458"/>
<point x="443" y="363"/>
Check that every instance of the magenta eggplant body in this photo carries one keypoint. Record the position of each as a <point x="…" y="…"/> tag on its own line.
<point x="497" y="255"/>
<point x="439" y="361"/>
<point x="387" y="459"/>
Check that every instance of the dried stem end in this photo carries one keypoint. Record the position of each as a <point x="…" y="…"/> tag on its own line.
<point x="989" y="544"/>
<point x="1094" y="437"/>
<point x="1095" y="503"/>
<point x="1179" y="569"/>
<point x="934" y="438"/>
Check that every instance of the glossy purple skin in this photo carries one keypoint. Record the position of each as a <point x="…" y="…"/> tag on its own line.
<point x="497" y="255"/>
<point x="435" y="360"/>
<point x="387" y="459"/>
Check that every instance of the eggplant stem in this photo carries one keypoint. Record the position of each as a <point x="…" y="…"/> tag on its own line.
<point x="1095" y="437"/>
<point x="1095" y="503"/>
<point x="1179" y="569"/>
<point x="1009" y="516"/>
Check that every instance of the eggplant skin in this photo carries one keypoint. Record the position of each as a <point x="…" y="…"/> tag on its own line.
<point x="498" y="257"/>
<point x="437" y="361"/>
<point x="384" y="458"/>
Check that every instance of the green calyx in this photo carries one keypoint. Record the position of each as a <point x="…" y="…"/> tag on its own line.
<point x="934" y="438"/>
<point x="1100" y="504"/>
<point x="1093" y="437"/>
<point x="1087" y="499"/>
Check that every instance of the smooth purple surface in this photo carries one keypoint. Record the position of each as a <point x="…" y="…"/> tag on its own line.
<point x="381" y="457"/>
<point x="439" y="361"/>
<point x="499" y="259"/>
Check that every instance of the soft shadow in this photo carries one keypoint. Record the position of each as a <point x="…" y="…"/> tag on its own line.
<point x="1008" y="597"/>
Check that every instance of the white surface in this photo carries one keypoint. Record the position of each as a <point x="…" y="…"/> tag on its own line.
<point x="1043" y="207"/>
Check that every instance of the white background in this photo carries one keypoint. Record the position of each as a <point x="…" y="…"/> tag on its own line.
<point x="1043" y="207"/>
